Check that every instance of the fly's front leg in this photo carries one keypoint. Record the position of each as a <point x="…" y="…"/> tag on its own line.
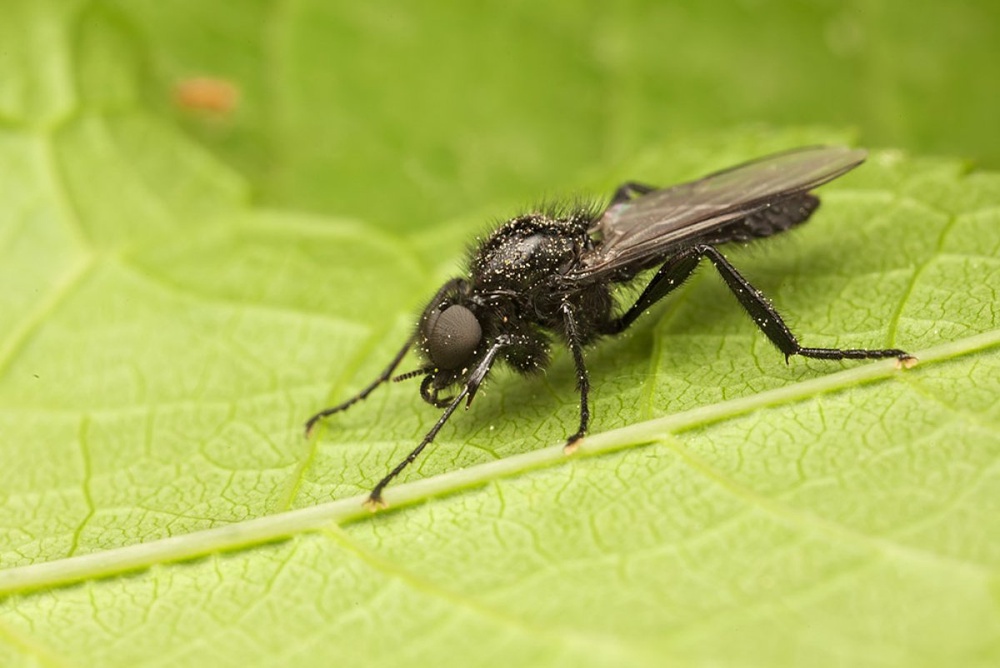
<point x="382" y="378"/>
<point x="386" y="374"/>
<point x="582" y="379"/>
<point x="468" y="391"/>
<point x="374" y="501"/>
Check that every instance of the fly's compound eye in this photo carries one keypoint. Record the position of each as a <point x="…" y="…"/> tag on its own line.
<point x="451" y="336"/>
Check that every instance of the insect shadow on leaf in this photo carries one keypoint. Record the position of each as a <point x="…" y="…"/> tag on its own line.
<point x="548" y="275"/>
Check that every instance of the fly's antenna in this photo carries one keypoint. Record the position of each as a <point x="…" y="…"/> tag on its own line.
<point x="422" y="371"/>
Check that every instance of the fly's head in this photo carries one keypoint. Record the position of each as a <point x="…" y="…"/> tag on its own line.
<point x="450" y="337"/>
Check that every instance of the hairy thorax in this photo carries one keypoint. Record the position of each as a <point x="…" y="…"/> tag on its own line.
<point x="522" y="265"/>
<point x="526" y="253"/>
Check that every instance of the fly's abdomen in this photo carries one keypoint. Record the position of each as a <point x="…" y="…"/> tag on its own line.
<point x="777" y="217"/>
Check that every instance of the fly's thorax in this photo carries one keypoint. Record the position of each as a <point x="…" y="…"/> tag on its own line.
<point x="525" y="252"/>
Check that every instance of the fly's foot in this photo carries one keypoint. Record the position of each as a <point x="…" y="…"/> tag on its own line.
<point x="573" y="443"/>
<point x="374" y="503"/>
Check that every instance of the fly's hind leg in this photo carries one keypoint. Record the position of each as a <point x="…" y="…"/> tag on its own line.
<point x="679" y="268"/>
<point x="767" y="319"/>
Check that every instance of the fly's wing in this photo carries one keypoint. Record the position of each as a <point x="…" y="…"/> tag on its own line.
<point x="639" y="230"/>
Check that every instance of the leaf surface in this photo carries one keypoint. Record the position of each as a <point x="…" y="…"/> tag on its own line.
<point x="168" y="323"/>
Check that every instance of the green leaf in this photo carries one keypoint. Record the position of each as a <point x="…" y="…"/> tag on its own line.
<point x="164" y="334"/>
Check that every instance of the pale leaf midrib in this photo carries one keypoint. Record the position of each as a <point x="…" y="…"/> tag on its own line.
<point x="284" y="525"/>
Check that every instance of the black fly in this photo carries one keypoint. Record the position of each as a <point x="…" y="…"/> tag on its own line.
<point x="549" y="274"/>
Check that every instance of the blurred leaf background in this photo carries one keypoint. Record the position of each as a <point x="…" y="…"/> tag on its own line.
<point x="184" y="285"/>
<point x="450" y="105"/>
